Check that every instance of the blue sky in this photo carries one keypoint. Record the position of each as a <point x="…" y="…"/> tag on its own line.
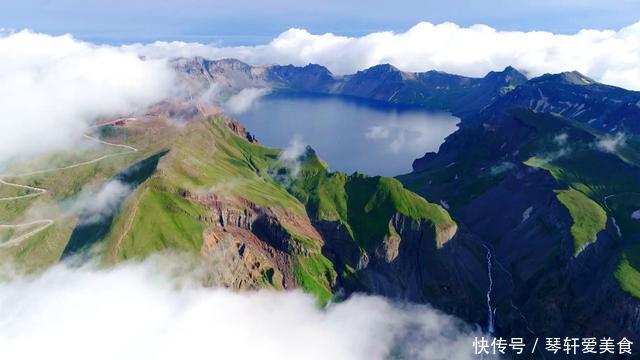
<point x="234" y="22"/>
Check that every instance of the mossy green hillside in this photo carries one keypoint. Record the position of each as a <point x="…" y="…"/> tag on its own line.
<point x="163" y="221"/>
<point x="363" y="204"/>
<point x="207" y="157"/>
<point x="601" y="183"/>
<point x="628" y="272"/>
<point x="316" y="275"/>
<point x="210" y="157"/>
<point x="588" y="217"/>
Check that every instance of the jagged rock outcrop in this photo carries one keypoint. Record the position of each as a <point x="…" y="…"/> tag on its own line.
<point x="241" y="131"/>
<point x="254" y="243"/>
<point x="411" y="265"/>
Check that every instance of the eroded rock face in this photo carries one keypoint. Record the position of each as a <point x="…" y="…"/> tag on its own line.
<point x="250" y="245"/>
<point x="447" y="274"/>
<point x="411" y="264"/>
<point x="241" y="131"/>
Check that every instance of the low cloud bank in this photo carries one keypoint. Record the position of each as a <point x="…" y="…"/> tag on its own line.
<point x="295" y="149"/>
<point x="244" y="100"/>
<point x="290" y="161"/>
<point x="95" y="206"/>
<point x="140" y="311"/>
<point x="53" y="87"/>
<point x="605" y="55"/>
<point x="411" y="135"/>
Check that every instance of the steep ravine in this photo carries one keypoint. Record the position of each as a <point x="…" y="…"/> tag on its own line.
<point x="491" y="311"/>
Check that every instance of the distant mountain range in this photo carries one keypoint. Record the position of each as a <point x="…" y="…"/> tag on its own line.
<point x="571" y="94"/>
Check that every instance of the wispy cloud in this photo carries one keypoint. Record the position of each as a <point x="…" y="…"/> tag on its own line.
<point x="554" y="155"/>
<point x="94" y="206"/>
<point x="244" y="100"/>
<point x="140" y="311"/>
<point x="290" y="156"/>
<point x="54" y="86"/>
<point x="501" y="168"/>
<point x="561" y="139"/>
<point x="611" y="143"/>
<point x="411" y="135"/>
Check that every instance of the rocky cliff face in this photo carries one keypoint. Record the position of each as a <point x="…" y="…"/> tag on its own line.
<point x="252" y="246"/>
<point x="228" y="75"/>
<point x="410" y="264"/>
<point x="241" y="131"/>
<point x="310" y="78"/>
<point x="541" y="285"/>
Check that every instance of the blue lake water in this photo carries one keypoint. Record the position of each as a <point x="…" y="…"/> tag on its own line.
<point x="349" y="134"/>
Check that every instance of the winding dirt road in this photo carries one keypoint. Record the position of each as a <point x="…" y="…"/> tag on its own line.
<point x="45" y="223"/>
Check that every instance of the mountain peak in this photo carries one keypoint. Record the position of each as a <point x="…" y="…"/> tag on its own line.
<point x="510" y="76"/>
<point x="317" y="68"/>
<point x="511" y="70"/>
<point x="567" y="77"/>
<point x="574" y="77"/>
<point x="383" y="68"/>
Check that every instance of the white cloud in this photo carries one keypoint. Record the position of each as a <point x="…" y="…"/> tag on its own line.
<point x="52" y="87"/>
<point x="295" y="149"/>
<point x="412" y="135"/>
<point x="140" y="311"/>
<point x="243" y="100"/>
<point x="561" y="139"/>
<point x="377" y="132"/>
<point x="290" y="156"/>
<point x="501" y="168"/>
<point x="605" y="55"/>
<point x="95" y="206"/>
<point x="610" y="143"/>
<point x="554" y="155"/>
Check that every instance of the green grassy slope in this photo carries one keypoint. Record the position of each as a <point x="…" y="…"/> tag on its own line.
<point x="316" y="275"/>
<point x="63" y="186"/>
<point x="210" y="157"/>
<point x="588" y="217"/>
<point x="365" y="205"/>
<point x="628" y="272"/>
<point x="594" y="184"/>
<point x="206" y="157"/>
<point x="164" y="221"/>
<point x="600" y="184"/>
